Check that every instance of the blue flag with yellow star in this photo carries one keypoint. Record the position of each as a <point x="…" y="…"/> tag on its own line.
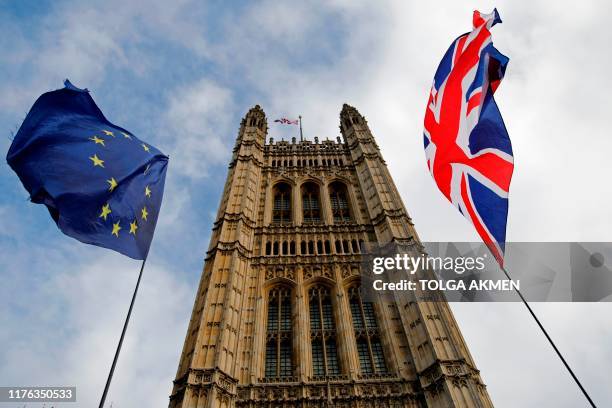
<point x="101" y="184"/>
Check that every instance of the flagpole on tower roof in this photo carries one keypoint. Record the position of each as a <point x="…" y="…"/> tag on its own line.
<point x="301" y="134"/>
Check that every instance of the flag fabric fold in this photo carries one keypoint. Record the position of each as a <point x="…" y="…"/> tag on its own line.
<point x="101" y="184"/>
<point x="467" y="146"/>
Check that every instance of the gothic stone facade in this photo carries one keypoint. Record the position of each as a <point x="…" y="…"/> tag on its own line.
<point x="279" y="319"/>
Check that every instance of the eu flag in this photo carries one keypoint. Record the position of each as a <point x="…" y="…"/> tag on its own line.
<point x="101" y="184"/>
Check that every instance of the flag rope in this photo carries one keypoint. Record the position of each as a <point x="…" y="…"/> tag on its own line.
<point x="552" y="343"/>
<point x="125" y="325"/>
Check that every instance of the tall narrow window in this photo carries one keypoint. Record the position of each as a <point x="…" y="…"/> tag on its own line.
<point x="369" y="346"/>
<point x="338" y="197"/>
<point x="281" y="208"/>
<point x="310" y="203"/>
<point x="322" y="333"/>
<point x="318" y="362"/>
<point x="279" y="359"/>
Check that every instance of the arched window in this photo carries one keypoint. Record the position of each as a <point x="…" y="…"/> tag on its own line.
<point x="303" y="250"/>
<point x="322" y="333"/>
<point x="369" y="346"/>
<point x="281" y="209"/>
<point x="339" y="202"/>
<point x="279" y="361"/>
<point x="268" y="248"/>
<point x="338" y="247"/>
<point x="345" y="247"/>
<point x="310" y="203"/>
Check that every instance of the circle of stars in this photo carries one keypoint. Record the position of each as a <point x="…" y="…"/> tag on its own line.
<point x="113" y="184"/>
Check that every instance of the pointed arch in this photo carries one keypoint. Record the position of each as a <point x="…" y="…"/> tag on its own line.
<point x="279" y="362"/>
<point x="339" y="200"/>
<point x="369" y="345"/>
<point x="281" y="206"/>
<point x="325" y="361"/>
<point x="311" y="202"/>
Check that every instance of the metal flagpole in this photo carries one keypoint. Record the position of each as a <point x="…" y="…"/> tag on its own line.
<point x="550" y="340"/>
<point x="301" y="135"/>
<point x="125" y="325"/>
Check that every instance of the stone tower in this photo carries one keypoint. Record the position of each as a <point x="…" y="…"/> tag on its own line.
<point x="279" y="318"/>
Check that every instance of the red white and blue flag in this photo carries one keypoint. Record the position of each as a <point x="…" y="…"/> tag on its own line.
<point x="467" y="146"/>
<point x="286" y="121"/>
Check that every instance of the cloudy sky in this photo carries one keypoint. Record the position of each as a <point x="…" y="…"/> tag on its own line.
<point x="181" y="74"/>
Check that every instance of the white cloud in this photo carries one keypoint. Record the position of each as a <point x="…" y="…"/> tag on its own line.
<point x="197" y="122"/>
<point x="84" y="42"/>
<point x="75" y="315"/>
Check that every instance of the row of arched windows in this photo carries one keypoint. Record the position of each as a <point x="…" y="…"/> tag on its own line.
<point x="314" y="247"/>
<point x="279" y="361"/>
<point x="258" y="122"/>
<point x="311" y="203"/>
<point x="347" y="121"/>
<point x="307" y="162"/>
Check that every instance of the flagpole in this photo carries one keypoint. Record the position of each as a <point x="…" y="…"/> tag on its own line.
<point x="125" y="325"/>
<point x="301" y="135"/>
<point x="550" y="340"/>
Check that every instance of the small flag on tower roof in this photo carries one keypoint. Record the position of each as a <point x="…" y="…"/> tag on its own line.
<point x="286" y="121"/>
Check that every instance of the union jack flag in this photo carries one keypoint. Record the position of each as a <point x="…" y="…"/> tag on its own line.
<point x="286" y="121"/>
<point x="468" y="149"/>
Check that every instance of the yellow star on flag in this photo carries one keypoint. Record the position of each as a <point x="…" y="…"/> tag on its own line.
<point x="116" y="229"/>
<point x="97" y="140"/>
<point x="113" y="183"/>
<point x="96" y="161"/>
<point x="145" y="213"/>
<point x="108" y="133"/>
<point x="145" y="147"/>
<point x="147" y="191"/>
<point x="133" y="227"/>
<point x="105" y="211"/>
<point x="126" y="135"/>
